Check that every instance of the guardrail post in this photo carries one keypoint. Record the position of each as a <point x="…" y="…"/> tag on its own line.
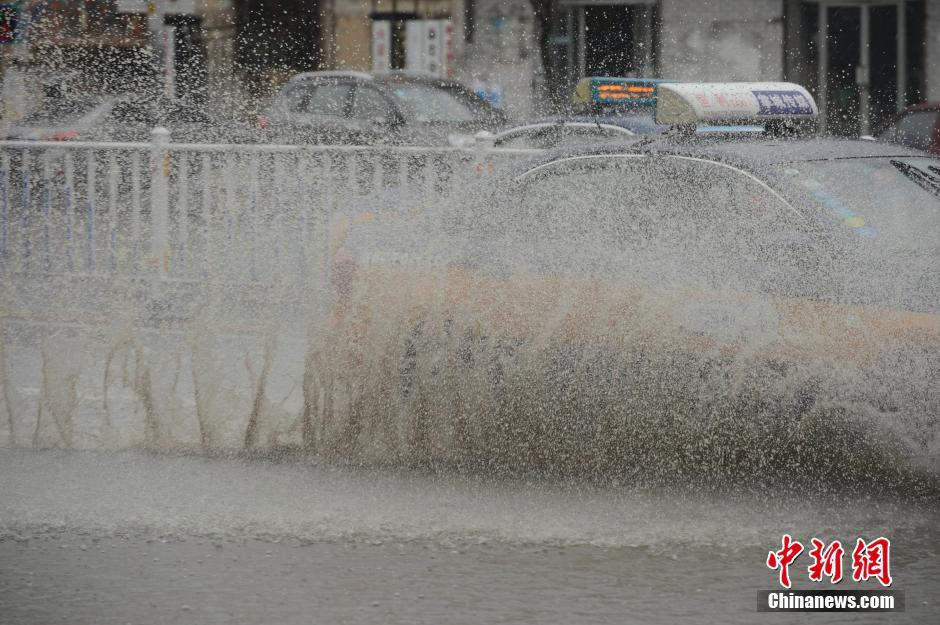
<point x="159" y="200"/>
<point x="4" y="211"/>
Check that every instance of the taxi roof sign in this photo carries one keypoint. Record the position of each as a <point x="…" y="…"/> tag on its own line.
<point x="690" y="103"/>
<point x="614" y="90"/>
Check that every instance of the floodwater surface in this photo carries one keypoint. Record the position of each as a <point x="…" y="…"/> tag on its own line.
<point x="133" y="537"/>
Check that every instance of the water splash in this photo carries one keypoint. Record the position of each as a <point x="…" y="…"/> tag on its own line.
<point x="375" y="338"/>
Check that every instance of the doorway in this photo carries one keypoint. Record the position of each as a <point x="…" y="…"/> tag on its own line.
<point x="190" y="57"/>
<point x="869" y="61"/>
<point x="602" y="38"/>
<point x="608" y="34"/>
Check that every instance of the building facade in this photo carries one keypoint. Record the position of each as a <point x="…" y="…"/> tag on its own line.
<point x="862" y="59"/>
<point x="490" y="45"/>
<point x="109" y="45"/>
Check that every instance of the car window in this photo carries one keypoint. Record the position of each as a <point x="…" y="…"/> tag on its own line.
<point x="295" y="99"/>
<point x="323" y="99"/>
<point x="426" y="103"/>
<point x="915" y="130"/>
<point x="521" y="140"/>
<point x="618" y="211"/>
<point x="371" y="105"/>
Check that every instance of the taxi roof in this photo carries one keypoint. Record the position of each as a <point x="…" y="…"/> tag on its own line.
<point x="774" y="151"/>
<point x="754" y="153"/>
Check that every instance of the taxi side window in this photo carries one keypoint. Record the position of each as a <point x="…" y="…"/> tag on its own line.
<point x="617" y="209"/>
<point x="585" y="199"/>
<point x="666" y="197"/>
<point x="726" y="202"/>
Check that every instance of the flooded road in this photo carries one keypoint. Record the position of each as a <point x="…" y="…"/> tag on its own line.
<point x="140" y="538"/>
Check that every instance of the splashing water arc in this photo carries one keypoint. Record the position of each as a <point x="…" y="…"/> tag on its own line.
<point x="270" y="298"/>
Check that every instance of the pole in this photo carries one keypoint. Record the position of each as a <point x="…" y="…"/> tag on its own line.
<point x="822" y="61"/>
<point x="159" y="201"/>
<point x="902" y="56"/>
<point x="14" y="80"/>
<point x="395" y="60"/>
<point x="162" y="45"/>
<point x="168" y="37"/>
<point x="154" y="27"/>
<point x="582" y="44"/>
<point x="862" y="77"/>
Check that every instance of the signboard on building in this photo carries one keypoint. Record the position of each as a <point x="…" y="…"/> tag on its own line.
<point x="429" y="47"/>
<point x="381" y="46"/>
<point x="10" y="31"/>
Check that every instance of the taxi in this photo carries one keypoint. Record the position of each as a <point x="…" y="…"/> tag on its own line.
<point x="679" y="280"/>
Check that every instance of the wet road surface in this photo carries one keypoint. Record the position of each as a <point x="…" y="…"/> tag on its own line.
<point x="139" y="538"/>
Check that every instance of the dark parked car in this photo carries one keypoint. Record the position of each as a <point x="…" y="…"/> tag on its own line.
<point x="916" y="127"/>
<point x="134" y="119"/>
<point x="59" y="118"/>
<point x="123" y="118"/>
<point x="554" y="132"/>
<point x="361" y="109"/>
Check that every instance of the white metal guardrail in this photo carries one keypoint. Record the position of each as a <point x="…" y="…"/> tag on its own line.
<point x="180" y="211"/>
<point x="149" y="292"/>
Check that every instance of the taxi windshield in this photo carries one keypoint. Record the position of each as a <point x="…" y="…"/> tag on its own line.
<point x="894" y="202"/>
